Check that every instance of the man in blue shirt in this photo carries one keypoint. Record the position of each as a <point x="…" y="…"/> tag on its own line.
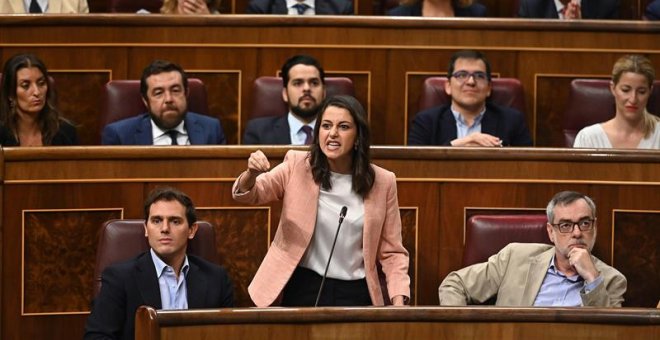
<point x="532" y="274"/>
<point x="163" y="277"/>
<point x="470" y="119"/>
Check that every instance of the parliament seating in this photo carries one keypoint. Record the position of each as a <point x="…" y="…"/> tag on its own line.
<point x="485" y="235"/>
<point x="590" y="101"/>
<point x="268" y="99"/>
<point x="122" y="239"/>
<point x="505" y="92"/>
<point x="122" y="99"/>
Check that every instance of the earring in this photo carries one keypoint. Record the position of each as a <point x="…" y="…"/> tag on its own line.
<point x="12" y="103"/>
<point x="355" y="146"/>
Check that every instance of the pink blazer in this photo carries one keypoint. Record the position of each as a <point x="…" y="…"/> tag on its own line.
<point x="292" y="182"/>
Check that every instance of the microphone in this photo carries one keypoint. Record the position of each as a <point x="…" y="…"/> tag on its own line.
<point x="342" y="214"/>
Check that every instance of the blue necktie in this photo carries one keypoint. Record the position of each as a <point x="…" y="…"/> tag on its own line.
<point x="34" y="7"/>
<point x="300" y="7"/>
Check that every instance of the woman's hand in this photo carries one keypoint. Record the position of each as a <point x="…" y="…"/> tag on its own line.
<point x="257" y="164"/>
<point x="193" y="7"/>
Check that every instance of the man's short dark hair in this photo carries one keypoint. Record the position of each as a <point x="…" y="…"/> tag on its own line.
<point x="170" y="194"/>
<point x="300" y="59"/>
<point x="467" y="54"/>
<point x="158" y="67"/>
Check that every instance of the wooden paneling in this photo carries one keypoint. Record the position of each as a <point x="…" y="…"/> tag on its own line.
<point x="387" y="59"/>
<point x="399" y="323"/>
<point x="437" y="189"/>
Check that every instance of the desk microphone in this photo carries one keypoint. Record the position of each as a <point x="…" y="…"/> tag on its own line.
<point x="342" y="214"/>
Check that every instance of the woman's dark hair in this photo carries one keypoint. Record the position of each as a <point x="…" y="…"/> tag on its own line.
<point x="49" y="117"/>
<point x="363" y="173"/>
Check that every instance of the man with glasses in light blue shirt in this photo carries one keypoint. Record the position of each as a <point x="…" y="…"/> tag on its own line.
<point x="470" y="119"/>
<point x="533" y="274"/>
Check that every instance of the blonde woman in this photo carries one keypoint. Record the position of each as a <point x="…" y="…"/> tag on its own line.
<point x="438" y="8"/>
<point x="190" y="7"/>
<point x="632" y="126"/>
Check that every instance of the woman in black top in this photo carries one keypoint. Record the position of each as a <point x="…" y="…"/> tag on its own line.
<point x="27" y="106"/>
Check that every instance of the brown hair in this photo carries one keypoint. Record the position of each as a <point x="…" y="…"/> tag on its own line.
<point x="639" y="64"/>
<point x="49" y="117"/>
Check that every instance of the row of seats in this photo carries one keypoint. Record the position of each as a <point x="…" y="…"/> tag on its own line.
<point x="590" y="100"/>
<point x="121" y="240"/>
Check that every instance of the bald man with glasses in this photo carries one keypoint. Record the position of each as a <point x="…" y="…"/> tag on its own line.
<point x="470" y="119"/>
<point x="533" y="274"/>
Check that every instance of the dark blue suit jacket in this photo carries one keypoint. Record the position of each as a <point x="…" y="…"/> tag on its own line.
<point x="437" y="126"/>
<point x="591" y="9"/>
<point x="653" y="11"/>
<point x="415" y="10"/>
<point x="267" y="130"/>
<point x="202" y="130"/>
<point x="322" y="7"/>
<point x="129" y="285"/>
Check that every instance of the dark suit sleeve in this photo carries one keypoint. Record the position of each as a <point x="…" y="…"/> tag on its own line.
<point x="520" y="133"/>
<point x="258" y="7"/>
<point x="523" y="10"/>
<point x="421" y="131"/>
<point x="348" y="8"/>
<point x="226" y="290"/>
<point x="109" y="136"/>
<point x="251" y="135"/>
<point x="108" y="315"/>
<point x="220" y="133"/>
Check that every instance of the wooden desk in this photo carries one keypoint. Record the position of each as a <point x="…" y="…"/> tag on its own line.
<point x="399" y="323"/>
<point x="387" y="59"/>
<point x="54" y="201"/>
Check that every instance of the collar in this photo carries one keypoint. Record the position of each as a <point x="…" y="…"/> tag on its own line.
<point x="295" y="124"/>
<point x="310" y="3"/>
<point x="459" y="118"/>
<point x="160" y="265"/>
<point x="158" y="132"/>
<point x="553" y="269"/>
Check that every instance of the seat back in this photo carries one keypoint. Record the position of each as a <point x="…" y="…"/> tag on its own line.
<point x="122" y="99"/>
<point x="122" y="239"/>
<point x="267" y="94"/>
<point x="132" y="6"/>
<point x="505" y="92"/>
<point x="590" y="101"/>
<point x="488" y="234"/>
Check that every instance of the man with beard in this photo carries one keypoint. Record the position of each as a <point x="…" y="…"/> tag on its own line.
<point x="533" y="274"/>
<point x="164" y="89"/>
<point x="303" y="79"/>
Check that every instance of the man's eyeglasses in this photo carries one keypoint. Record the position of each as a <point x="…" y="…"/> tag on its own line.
<point x="463" y="76"/>
<point x="567" y="227"/>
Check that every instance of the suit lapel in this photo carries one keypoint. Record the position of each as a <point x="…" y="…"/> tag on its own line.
<point x="447" y="128"/>
<point x="147" y="281"/>
<point x="551" y="10"/>
<point x="279" y="7"/>
<point x="322" y="7"/>
<point x="194" y="130"/>
<point x="143" y="131"/>
<point x="54" y="6"/>
<point x="538" y="267"/>
<point x="281" y="131"/>
<point x="489" y="123"/>
<point x="196" y="285"/>
<point x="17" y="6"/>
<point x="372" y="214"/>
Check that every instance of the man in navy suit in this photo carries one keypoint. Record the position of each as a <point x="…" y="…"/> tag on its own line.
<point x="569" y="9"/>
<point x="301" y="7"/>
<point x="303" y="79"/>
<point x="163" y="277"/>
<point x="164" y="89"/>
<point x="470" y="119"/>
